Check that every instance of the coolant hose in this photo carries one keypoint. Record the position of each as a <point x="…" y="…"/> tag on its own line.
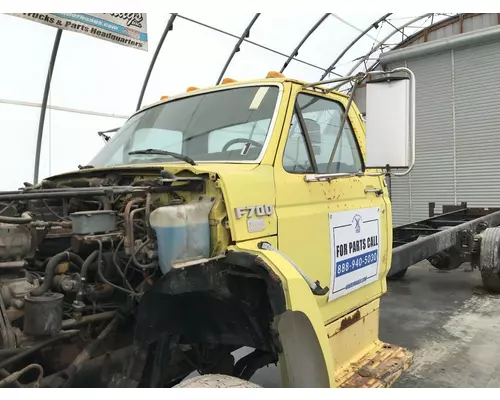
<point x="50" y="270"/>
<point x="88" y="261"/>
<point x="24" y="219"/>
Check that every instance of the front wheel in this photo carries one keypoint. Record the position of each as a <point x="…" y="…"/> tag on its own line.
<point x="216" y="381"/>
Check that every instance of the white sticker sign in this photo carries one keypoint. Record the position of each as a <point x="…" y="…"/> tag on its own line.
<point x="355" y="250"/>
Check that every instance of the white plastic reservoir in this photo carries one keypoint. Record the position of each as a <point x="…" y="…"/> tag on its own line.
<point x="182" y="232"/>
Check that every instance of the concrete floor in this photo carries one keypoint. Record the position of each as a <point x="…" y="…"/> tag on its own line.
<point x="447" y="320"/>
<point x="450" y="324"/>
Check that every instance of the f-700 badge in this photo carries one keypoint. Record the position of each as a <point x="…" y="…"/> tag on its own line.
<point x="251" y="211"/>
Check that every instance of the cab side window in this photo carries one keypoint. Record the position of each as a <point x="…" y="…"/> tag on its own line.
<point x="296" y="157"/>
<point x="317" y="120"/>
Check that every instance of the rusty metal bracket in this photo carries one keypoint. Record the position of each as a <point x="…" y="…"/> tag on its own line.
<point x="482" y="226"/>
<point x="465" y="241"/>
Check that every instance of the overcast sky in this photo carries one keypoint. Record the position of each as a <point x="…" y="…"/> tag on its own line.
<point x="95" y="75"/>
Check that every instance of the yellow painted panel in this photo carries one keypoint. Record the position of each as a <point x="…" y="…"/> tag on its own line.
<point x="303" y="210"/>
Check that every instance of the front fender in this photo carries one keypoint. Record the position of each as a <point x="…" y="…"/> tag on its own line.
<point x="306" y="360"/>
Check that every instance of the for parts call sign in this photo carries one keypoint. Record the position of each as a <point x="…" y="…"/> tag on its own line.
<point x="355" y="250"/>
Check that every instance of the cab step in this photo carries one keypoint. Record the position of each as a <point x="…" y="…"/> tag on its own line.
<point x="379" y="368"/>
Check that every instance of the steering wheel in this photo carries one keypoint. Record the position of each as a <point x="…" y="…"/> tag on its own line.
<point x="257" y="144"/>
<point x="240" y="140"/>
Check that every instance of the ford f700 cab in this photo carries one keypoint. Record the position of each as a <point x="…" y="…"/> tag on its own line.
<point x="248" y="215"/>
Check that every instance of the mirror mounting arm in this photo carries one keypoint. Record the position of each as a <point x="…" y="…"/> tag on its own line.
<point x="344" y="120"/>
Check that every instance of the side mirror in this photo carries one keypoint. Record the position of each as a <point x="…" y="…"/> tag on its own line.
<point x="390" y="122"/>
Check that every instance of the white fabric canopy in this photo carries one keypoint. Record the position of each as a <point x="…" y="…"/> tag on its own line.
<point x="94" y="76"/>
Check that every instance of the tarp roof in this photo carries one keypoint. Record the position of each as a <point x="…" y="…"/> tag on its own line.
<point x="96" y="84"/>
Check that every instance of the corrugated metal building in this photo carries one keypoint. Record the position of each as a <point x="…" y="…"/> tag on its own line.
<point x="457" y="68"/>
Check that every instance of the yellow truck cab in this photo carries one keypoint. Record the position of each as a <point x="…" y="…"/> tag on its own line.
<point x="250" y="211"/>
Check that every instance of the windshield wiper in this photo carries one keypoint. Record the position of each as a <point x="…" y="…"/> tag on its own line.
<point x="182" y="157"/>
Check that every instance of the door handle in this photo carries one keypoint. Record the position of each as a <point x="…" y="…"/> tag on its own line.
<point x="371" y="189"/>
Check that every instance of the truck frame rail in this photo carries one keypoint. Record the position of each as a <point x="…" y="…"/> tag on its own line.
<point x="447" y="240"/>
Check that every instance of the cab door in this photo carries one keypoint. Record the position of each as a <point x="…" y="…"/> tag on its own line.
<point x="332" y="223"/>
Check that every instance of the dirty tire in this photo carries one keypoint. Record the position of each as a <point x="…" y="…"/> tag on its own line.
<point x="398" y="275"/>
<point x="489" y="259"/>
<point x="216" y="381"/>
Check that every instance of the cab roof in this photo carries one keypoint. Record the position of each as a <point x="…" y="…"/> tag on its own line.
<point x="227" y="82"/>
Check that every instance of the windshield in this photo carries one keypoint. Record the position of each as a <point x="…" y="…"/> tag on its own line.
<point x="229" y="125"/>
